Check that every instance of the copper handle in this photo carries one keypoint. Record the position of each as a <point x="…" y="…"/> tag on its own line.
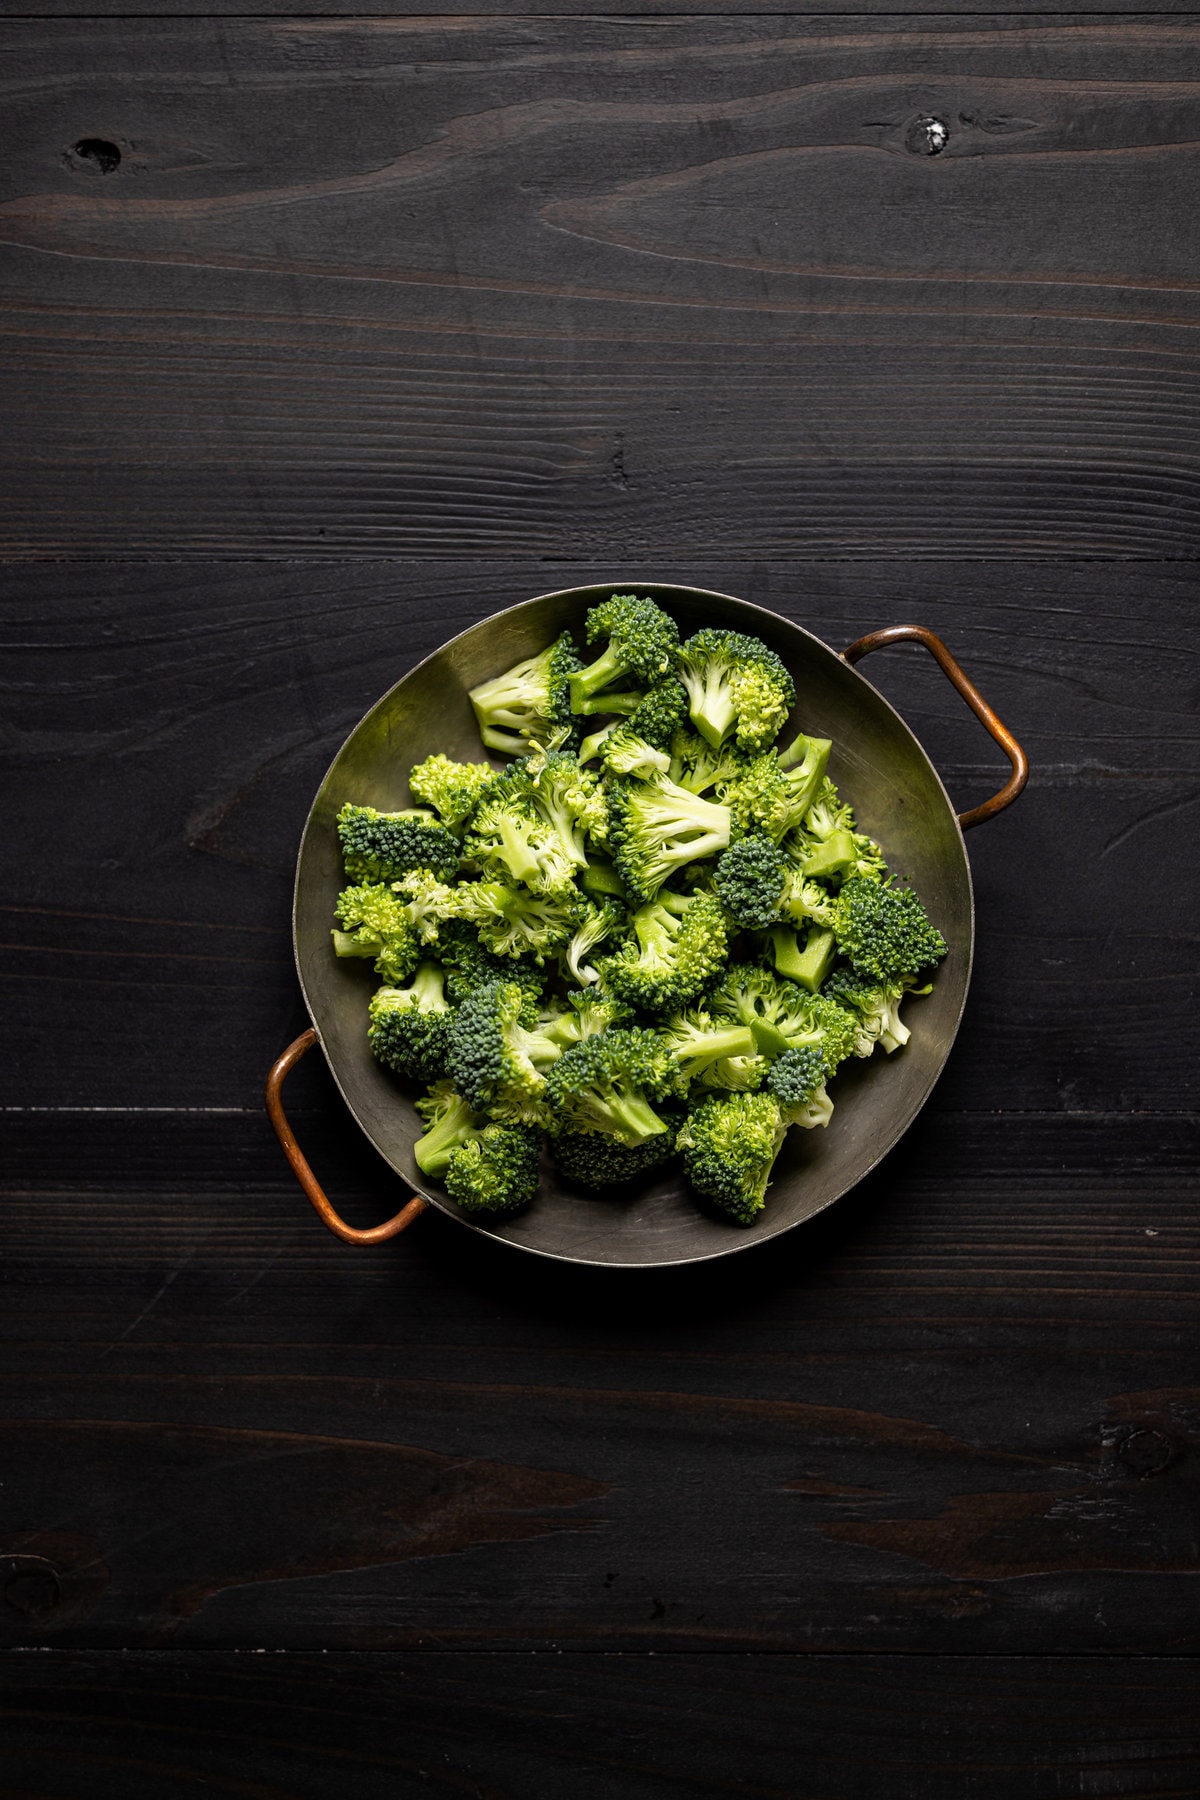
<point x="299" y="1165"/>
<point x="918" y="634"/>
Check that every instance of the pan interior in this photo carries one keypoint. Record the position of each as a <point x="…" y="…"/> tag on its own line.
<point x="879" y="768"/>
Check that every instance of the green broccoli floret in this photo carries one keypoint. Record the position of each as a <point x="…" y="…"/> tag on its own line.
<point x="378" y="846"/>
<point x="512" y="921"/>
<point x="804" y="902"/>
<point x="729" y="1147"/>
<point x="530" y="700"/>
<point x="807" y="963"/>
<point x="874" y="1007"/>
<point x="602" y="923"/>
<point x="407" y="1028"/>
<point x="736" y="686"/>
<point x="736" y="1074"/>
<point x="453" y="789"/>
<point x="429" y="904"/>
<point x="603" y="1085"/>
<point x="642" y="645"/>
<point x="656" y="827"/>
<point x="497" y="1171"/>
<point x="496" y="1055"/>
<point x="467" y="964"/>
<point x="797" y="1082"/>
<point x="510" y="841"/>
<point x="827" y="811"/>
<point x="805" y="760"/>
<point x="695" y="1040"/>
<point x="595" y="1159"/>
<point x="586" y="1013"/>
<point x="748" y="881"/>
<point x="884" y="930"/>
<point x="678" y="947"/>
<point x="601" y="879"/>
<point x="449" y="1122"/>
<point x="376" y="923"/>
<point x="566" y="796"/>
<point x="782" y="1015"/>
<point x="698" y="767"/>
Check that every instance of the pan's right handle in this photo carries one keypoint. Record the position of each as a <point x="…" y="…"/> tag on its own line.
<point x="299" y="1163"/>
<point x="919" y="634"/>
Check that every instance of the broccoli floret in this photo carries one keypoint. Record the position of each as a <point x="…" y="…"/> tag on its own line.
<point x="797" y="1081"/>
<point x="449" y="1121"/>
<point x="602" y="923"/>
<point x="804" y="902"/>
<point x="595" y="1159"/>
<point x="678" y="947"/>
<point x="468" y="964"/>
<point x="782" y="1015"/>
<point x="642" y="645"/>
<point x="495" y="1172"/>
<point x="748" y="881"/>
<point x="378" y="846"/>
<point x="736" y="1074"/>
<point x="807" y="963"/>
<point x="566" y="796"/>
<point x="511" y="921"/>
<point x="586" y="1013"/>
<point x="376" y="923"/>
<point x="874" y="1007"/>
<point x="695" y="1041"/>
<point x="429" y="903"/>
<point x="453" y="789"/>
<point x="884" y="930"/>
<point x="805" y="760"/>
<point x="697" y="766"/>
<point x="604" y="1084"/>
<point x="827" y="812"/>
<point x="407" y="1028"/>
<point x="530" y="700"/>
<point x="736" y="686"/>
<point x="641" y="744"/>
<point x="655" y="827"/>
<point x="729" y="1146"/>
<point x="496" y="1055"/>
<point x="509" y="840"/>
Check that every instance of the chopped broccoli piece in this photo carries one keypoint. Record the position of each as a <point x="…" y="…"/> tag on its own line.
<point x="407" y="1027"/>
<point x="603" y="1083"/>
<point x="497" y="1171"/>
<point x="508" y="839"/>
<point x="567" y="797"/>
<point x="468" y="964"/>
<point x="378" y="846"/>
<point x="642" y="643"/>
<point x="601" y="924"/>
<point x="806" y="963"/>
<point x="678" y="947"/>
<point x="695" y="1040"/>
<point x="596" y="1159"/>
<point x="655" y="827"/>
<point x="376" y="923"/>
<point x="586" y="1013"/>
<point x="453" y="789"/>
<point x="530" y="700"/>
<point x="884" y="931"/>
<point x="449" y="1121"/>
<point x="736" y="687"/>
<point x="875" y="1008"/>
<point x="496" y="1055"/>
<point x="729" y="1146"/>
<point x="783" y="1016"/>
<point x="600" y="878"/>
<point x="697" y="766"/>
<point x="797" y="1082"/>
<point x="748" y="882"/>
<point x="737" y="1074"/>
<point x="511" y="921"/>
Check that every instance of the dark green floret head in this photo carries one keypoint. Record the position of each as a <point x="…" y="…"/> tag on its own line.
<point x="884" y="930"/>
<point x="729" y="1146"/>
<point x="530" y="700"/>
<point x="595" y="1159"/>
<point x="642" y="644"/>
<point x="378" y="846"/>
<point x="736" y="687"/>
<point x="496" y="1171"/>
<point x="606" y="1083"/>
<point x="495" y="1053"/>
<point x="749" y="881"/>
<point x="408" y="1026"/>
<point x="453" y="789"/>
<point x="797" y="1075"/>
<point x="678" y="948"/>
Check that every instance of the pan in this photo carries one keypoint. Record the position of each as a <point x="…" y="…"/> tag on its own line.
<point x="878" y="766"/>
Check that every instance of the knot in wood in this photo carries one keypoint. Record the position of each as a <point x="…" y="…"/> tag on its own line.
<point x="1145" y="1452"/>
<point x="31" y="1585"/>
<point x="926" y="136"/>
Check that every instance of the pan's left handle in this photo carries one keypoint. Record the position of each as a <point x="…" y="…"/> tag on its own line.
<point x="299" y="1164"/>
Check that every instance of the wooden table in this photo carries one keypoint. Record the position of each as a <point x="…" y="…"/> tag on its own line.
<point x="324" y="336"/>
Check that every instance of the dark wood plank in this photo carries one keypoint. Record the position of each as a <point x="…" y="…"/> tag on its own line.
<point x="808" y="1728"/>
<point x="521" y="286"/>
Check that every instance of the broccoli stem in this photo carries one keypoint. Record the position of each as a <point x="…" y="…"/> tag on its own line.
<point x="517" y="854"/>
<point x="834" y="856"/>
<point x="808" y="966"/>
<point x="432" y="1152"/>
<point x="346" y="944"/>
<point x="608" y="703"/>
<point x="586" y="682"/>
<point x="634" y="1117"/>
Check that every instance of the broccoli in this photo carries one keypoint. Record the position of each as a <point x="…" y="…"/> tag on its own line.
<point x="449" y="1121"/>
<point x="640" y="744"/>
<point x="376" y="923"/>
<point x="429" y="904"/>
<point x="642" y="644"/>
<point x="737" y="1074"/>
<point x="496" y="1171"/>
<point x="600" y="878"/>
<point x="874" y="1007"/>
<point x="586" y="1013"/>
<point x="530" y="700"/>
<point x="884" y="931"/>
<point x="695" y="1040"/>
<point x="601" y="923"/>
<point x="378" y="846"/>
<point x="453" y="789"/>
<point x="496" y="1054"/>
<point x="736" y="686"/>
<point x="783" y="1016"/>
<point x="513" y="922"/>
<point x="697" y="766"/>
<point x="827" y="812"/>
<point x="804" y="902"/>
<point x="655" y="827"/>
<point x="805" y="759"/>
<point x="566" y="796"/>
<point x="678" y="947"/>
<point x="601" y="1085"/>
<point x="729" y="1146"/>
<point x="467" y="964"/>
<point x="510" y="841"/>
<point x="807" y="963"/>
<point x="407" y="1027"/>
<point x="596" y="1159"/>
<point x="797" y="1082"/>
<point x="748" y="882"/>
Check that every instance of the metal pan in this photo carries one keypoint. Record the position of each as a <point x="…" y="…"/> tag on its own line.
<point x="879" y="767"/>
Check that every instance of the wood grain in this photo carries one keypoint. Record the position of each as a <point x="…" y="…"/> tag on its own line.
<point x="569" y="287"/>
